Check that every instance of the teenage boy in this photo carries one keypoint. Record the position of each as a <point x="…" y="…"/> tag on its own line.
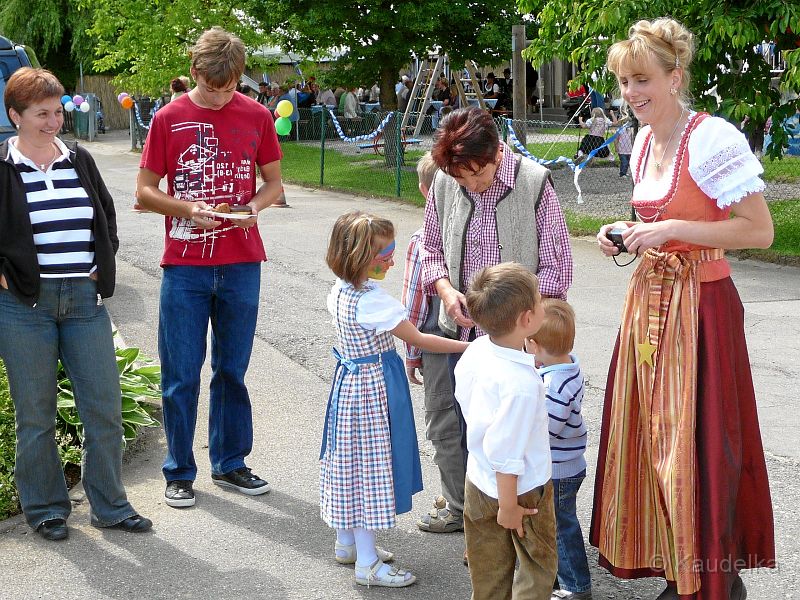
<point x="210" y="144"/>
<point x="508" y="470"/>
<point x="442" y="426"/>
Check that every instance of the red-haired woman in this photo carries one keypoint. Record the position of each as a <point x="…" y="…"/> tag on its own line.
<point x="486" y="206"/>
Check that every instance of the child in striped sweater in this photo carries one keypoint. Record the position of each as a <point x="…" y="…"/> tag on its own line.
<point x="559" y="368"/>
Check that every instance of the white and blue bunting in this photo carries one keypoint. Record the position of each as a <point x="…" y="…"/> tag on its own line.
<point x="577" y="169"/>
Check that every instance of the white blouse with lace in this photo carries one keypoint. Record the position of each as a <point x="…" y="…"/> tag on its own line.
<point x="376" y="309"/>
<point x="720" y="162"/>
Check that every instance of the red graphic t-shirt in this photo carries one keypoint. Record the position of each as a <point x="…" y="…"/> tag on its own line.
<point x="213" y="156"/>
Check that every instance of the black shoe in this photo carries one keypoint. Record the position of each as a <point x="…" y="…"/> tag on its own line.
<point x="242" y="480"/>
<point x="179" y="493"/>
<point x="53" y="530"/>
<point x="134" y="524"/>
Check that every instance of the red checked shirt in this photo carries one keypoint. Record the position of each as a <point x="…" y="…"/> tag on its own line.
<point x="414" y="298"/>
<point x="482" y="247"/>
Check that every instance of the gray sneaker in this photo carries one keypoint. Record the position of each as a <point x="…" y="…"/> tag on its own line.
<point x="179" y="493"/>
<point x="440" y="519"/>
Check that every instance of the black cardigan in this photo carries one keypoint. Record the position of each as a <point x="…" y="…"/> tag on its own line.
<point x="18" y="262"/>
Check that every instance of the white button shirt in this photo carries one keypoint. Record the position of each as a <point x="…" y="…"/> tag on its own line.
<point x="503" y="402"/>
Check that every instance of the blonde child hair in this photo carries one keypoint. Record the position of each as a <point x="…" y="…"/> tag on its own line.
<point x="499" y="295"/>
<point x="426" y="169"/>
<point x="556" y="336"/>
<point x="598" y="113"/>
<point x="356" y="239"/>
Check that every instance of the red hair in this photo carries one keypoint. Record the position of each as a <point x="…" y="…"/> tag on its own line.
<point x="466" y="140"/>
<point x="28" y="86"/>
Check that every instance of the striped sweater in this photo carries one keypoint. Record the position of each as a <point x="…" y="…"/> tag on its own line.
<point x="564" y="385"/>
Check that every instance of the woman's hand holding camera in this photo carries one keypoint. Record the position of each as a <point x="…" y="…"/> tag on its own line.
<point x="636" y="237"/>
<point x="608" y="247"/>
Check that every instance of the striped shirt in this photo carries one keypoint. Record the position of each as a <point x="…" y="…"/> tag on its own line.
<point x="61" y="215"/>
<point x="564" y="393"/>
<point x="482" y="248"/>
<point x="414" y="298"/>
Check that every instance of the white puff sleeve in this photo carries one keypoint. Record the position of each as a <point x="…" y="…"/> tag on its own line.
<point x="378" y="310"/>
<point x="721" y="163"/>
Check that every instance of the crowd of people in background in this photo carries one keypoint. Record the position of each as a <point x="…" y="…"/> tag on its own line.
<point x="349" y="101"/>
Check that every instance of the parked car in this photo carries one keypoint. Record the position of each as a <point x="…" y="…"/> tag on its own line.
<point x="12" y="57"/>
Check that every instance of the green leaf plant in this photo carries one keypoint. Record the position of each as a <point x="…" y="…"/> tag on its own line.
<point x="140" y="383"/>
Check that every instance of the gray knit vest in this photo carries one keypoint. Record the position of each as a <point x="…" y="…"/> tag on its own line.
<point x="515" y="220"/>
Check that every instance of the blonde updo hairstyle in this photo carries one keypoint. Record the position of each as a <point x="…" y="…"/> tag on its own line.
<point x="668" y="42"/>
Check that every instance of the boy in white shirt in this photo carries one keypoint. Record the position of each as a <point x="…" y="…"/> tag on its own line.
<point x="509" y="466"/>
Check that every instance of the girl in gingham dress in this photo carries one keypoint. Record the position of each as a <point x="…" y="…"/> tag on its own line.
<point x="369" y="463"/>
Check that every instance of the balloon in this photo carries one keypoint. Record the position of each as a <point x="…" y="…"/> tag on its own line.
<point x="121" y="96"/>
<point x="85" y="106"/>
<point x="65" y="98"/>
<point x="77" y="99"/>
<point x="127" y="103"/>
<point x="69" y="106"/>
<point x="283" y="125"/>
<point x="284" y="108"/>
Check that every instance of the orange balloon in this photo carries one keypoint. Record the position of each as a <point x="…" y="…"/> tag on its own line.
<point x="127" y="102"/>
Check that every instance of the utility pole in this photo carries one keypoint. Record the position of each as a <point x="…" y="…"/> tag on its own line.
<point x="518" y="43"/>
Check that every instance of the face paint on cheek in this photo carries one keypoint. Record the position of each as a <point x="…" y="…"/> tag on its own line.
<point x="381" y="263"/>
<point x="377" y="272"/>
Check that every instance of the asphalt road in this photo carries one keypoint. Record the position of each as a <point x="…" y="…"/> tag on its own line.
<point x="276" y="546"/>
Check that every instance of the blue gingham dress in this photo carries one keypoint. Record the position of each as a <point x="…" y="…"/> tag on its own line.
<point x="356" y="475"/>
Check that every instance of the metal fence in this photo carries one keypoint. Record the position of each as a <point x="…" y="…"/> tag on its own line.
<point x="371" y="155"/>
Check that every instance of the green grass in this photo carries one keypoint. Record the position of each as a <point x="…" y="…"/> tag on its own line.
<point x="365" y="174"/>
<point x="786" y="217"/>
<point x="551" y="150"/>
<point x="362" y="174"/>
<point x="784" y="170"/>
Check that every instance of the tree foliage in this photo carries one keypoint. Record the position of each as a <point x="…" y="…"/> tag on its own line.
<point x="147" y="42"/>
<point x="377" y="37"/>
<point x="54" y="29"/>
<point x="726" y="35"/>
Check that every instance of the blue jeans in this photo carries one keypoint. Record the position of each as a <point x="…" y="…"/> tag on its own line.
<point x="227" y="296"/>
<point x="573" y="566"/>
<point x="624" y="163"/>
<point x="67" y="324"/>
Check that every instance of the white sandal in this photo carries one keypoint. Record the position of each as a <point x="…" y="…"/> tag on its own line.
<point x="395" y="578"/>
<point x="346" y="555"/>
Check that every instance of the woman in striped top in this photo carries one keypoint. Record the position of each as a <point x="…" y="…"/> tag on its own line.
<point x="57" y="243"/>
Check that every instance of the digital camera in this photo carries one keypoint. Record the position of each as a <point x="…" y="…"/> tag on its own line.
<point x="615" y="235"/>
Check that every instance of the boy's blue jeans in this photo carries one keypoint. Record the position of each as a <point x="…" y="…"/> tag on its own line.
<point x="624" y="162"/>
<point x="67" y="324"/>
<point x="573" y="566"/>
<point x="227" y="296"/>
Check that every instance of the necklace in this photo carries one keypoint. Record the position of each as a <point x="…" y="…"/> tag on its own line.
<point x="669" y="141"/>
<point x="43" y="166"/>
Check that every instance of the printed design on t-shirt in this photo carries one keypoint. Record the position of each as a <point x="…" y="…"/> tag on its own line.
<point x="207" y="172"/>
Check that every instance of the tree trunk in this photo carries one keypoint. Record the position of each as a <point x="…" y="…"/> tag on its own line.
<point x="388" y="79"/>
<point x="389" y="76"/>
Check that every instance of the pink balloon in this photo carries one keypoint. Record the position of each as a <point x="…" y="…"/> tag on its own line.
<point x="77" y="100"/>
<point x="122" y="96"/>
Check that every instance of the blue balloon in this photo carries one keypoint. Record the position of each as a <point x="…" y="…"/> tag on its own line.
<point x="65" y="98"/>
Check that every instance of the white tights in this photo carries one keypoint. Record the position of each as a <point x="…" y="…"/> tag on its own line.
<point x="364" y="539"/>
